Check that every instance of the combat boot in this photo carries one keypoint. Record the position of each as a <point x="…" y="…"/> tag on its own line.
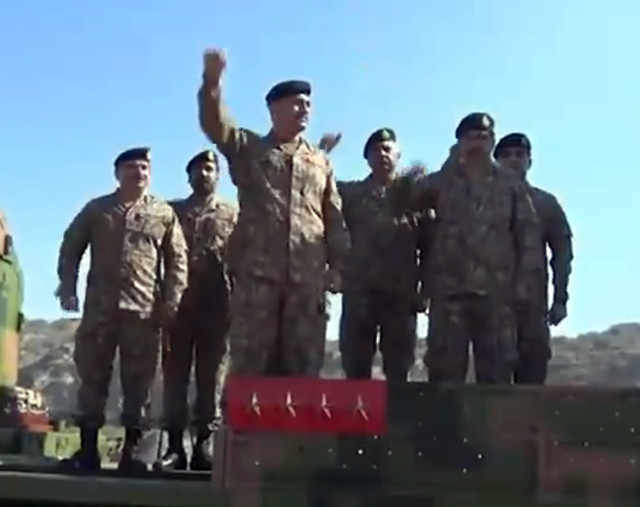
<point x="130" y="460"/>
<point x="87" y="458"/>
<point x="201" y="459"/>
<point x="175" y="458"/>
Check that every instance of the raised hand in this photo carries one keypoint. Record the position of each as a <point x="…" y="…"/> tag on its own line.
<point x="329" y="141"/>
<point x="214" y="61"/>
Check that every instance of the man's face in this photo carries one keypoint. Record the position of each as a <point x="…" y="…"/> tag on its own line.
<point x="476" y="143"/>
<point x="134" y="174"/>
<point x="203" y="177"/>
<point x="383" y="157"/>
<point x="291" y="114"/>
<point x="515" y="158"/>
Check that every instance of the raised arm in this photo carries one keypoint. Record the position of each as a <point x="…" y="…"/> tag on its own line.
<point x="215" y="121"/>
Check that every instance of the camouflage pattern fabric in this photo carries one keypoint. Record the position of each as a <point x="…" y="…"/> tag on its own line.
<point x="384" y="244"/>
<point x="138" y="342"/>
<point x="362" y="314"/>
<point x="290" y="227"/>
<point x="199" y="334"/>
<point x="129" y="246"/>
<point x="380" y="281"/>
<point x="489" y="325"/>
<point x="533" y="329"/>
<point x="276" y="330"/>
<point x="138" y="264"/>
<point x="485" y="246"/>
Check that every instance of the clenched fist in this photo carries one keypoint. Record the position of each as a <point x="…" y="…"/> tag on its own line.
<point x="215" y="61"/>
<point x="329" y="141"/>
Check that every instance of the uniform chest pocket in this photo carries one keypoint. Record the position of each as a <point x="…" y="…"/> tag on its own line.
<point x="313" y="179"/>
<point x="147" y="229"/>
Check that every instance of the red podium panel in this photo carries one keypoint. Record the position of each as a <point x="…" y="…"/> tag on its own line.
<point x="306" y="405"/>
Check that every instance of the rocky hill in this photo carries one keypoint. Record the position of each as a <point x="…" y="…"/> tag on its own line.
<point x="611" y="358"/>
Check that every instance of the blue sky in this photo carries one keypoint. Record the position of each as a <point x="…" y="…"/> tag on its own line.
<point x="83" y="80"/>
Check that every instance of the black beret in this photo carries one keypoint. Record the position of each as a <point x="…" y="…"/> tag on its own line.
<point x="288" y="89"/>
<point x="379" y="136"/>
<point x="474" y="121"/>
<point x="203" y="156"/>
<point x="513" y="140"/>
<point x="139" y="153"/>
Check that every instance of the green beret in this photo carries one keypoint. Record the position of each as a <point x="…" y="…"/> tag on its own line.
<point x="139" y="153"/>
<point x="288" y="89"/>
<point x="514" y="140"/>
<point x="203" y="156"/>
<point x="379" y="136"/>
<point x="474" y="121"/>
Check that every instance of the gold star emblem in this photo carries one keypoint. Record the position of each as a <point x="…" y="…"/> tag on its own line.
<point x="324" y="406"/>
<point x="209" y="156"/>
<point x="288" y="403"/>
<point x="254" y="405"/>
<point x="361" y="409"/>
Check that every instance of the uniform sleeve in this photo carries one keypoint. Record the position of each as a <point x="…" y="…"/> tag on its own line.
<point x="336" y="235"/>
<point x="74" y="244"/>
<point x="343" y="188"/>
<point x="220" y="129"/>
<point x="175" y="261"/>
<point x="526" y="234"/>
<point x="560" y="240"/>
<point x="424" y="232"/>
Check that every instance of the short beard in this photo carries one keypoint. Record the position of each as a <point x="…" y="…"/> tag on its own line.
<point x="204" y="188"/>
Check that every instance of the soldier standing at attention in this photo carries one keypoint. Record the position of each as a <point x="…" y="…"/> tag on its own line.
<point x="290" y="241"/>
<point x="203" y="317"/>
<point x="514" y="152"/>
<point x="484" y="252"/>
<point x="136" y="278"/>
<point x="380" y="283"/>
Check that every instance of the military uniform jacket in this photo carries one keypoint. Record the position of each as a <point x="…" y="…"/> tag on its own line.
<point x="385" y="245"/>
<point x="555" y="232"/>
<point x="486" y="236"/>
<point x="138" y="255"/>
<point x="290" y="227"/>
<point x="207" y="226"/>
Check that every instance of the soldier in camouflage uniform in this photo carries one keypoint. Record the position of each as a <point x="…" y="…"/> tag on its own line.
<point x="483" y="253"/>
<point x="203" y="318"/>
<point x="380" y="283"/>
<point x="137" y="275"/>
<point x="514" y="152"/>
<point x="290" y="241"/>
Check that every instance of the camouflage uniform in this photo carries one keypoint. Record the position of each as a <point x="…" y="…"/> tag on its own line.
<point x="202" y="321"/>
<point x="380" y="282"/>
<point x="484" y="247"/>
<point x="513" y="151"/>
<point x="290" y="230"/>
<point x="138" y="263"/>
<point x="533" y="328"/>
